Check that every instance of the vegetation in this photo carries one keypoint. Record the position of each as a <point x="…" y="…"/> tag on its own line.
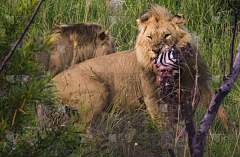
<point x="210" y="23"/>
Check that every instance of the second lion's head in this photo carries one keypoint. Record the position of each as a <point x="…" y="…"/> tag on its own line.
<point x="158" y="31"/>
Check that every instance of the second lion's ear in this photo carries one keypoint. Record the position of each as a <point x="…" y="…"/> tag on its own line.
<point x="178" y="19"/>
<point x="104" y="34"/>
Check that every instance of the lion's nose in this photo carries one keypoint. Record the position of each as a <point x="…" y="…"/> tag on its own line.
<point x="157" y="51"/>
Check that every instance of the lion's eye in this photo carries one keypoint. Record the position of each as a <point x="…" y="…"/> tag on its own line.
<point x="167" y="36"/>
<point x="149" y="37"/>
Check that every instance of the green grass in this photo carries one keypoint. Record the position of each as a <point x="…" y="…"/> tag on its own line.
<point x="214" y="42"/>
<point x="213" y="45"/>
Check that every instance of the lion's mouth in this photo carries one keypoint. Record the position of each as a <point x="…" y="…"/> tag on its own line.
<point x="170" y="64"/>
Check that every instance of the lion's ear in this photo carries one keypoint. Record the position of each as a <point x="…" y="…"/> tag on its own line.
<point x="178" y="19"/>
<point x="138" y="21"/>
<point x="105" y="34"/>
<point x="145" y="16"/>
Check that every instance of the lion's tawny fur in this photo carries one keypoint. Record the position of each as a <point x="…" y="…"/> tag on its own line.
<point x="128" y="78"/>
<point x="75" y="43"/>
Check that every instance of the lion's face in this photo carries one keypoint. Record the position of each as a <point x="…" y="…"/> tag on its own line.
<point x="159" y="37"/>
<point x="104" y="44"/>
<point x="158" y="32"/>
<point x="108" y="47"/>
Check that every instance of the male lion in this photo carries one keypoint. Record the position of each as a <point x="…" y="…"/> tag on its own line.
<point x="128" y="78"/>
<point x="75" y="43"/>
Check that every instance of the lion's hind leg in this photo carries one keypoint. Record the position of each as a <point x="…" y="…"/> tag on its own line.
<point x="93" y="101"/>
<point x="206" y="99"/>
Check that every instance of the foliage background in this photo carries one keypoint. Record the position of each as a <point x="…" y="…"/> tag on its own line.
<point x="210" y="23"/>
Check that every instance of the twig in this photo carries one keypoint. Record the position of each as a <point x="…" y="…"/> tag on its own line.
<point x="224" y="77"/>
<point x="190" y="127"/>
<point x="185" y="148"/>
<point x="4" y="91"/>
<point x="233" y="37"/>
<point x="21" y="36"/>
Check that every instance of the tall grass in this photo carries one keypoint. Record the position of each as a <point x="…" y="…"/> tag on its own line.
<point x="209" y="19"/>
<point x="214" y="43"/>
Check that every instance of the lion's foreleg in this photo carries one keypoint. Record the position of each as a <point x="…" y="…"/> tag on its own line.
<point x="151" y="97"/>
<point x="206" y="99"/>
<point x="155" y="112"/>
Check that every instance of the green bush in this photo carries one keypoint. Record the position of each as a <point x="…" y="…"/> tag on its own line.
<point x="19" y="131"/>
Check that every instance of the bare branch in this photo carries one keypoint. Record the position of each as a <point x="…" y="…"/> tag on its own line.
<point x="213" y="108"/>
<point x="197" y="141"/>
<point x="21" y="36"/>
<point x="186" y="110"/>
<point x="218" y="97"/>
<point x="224" y="66"/>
